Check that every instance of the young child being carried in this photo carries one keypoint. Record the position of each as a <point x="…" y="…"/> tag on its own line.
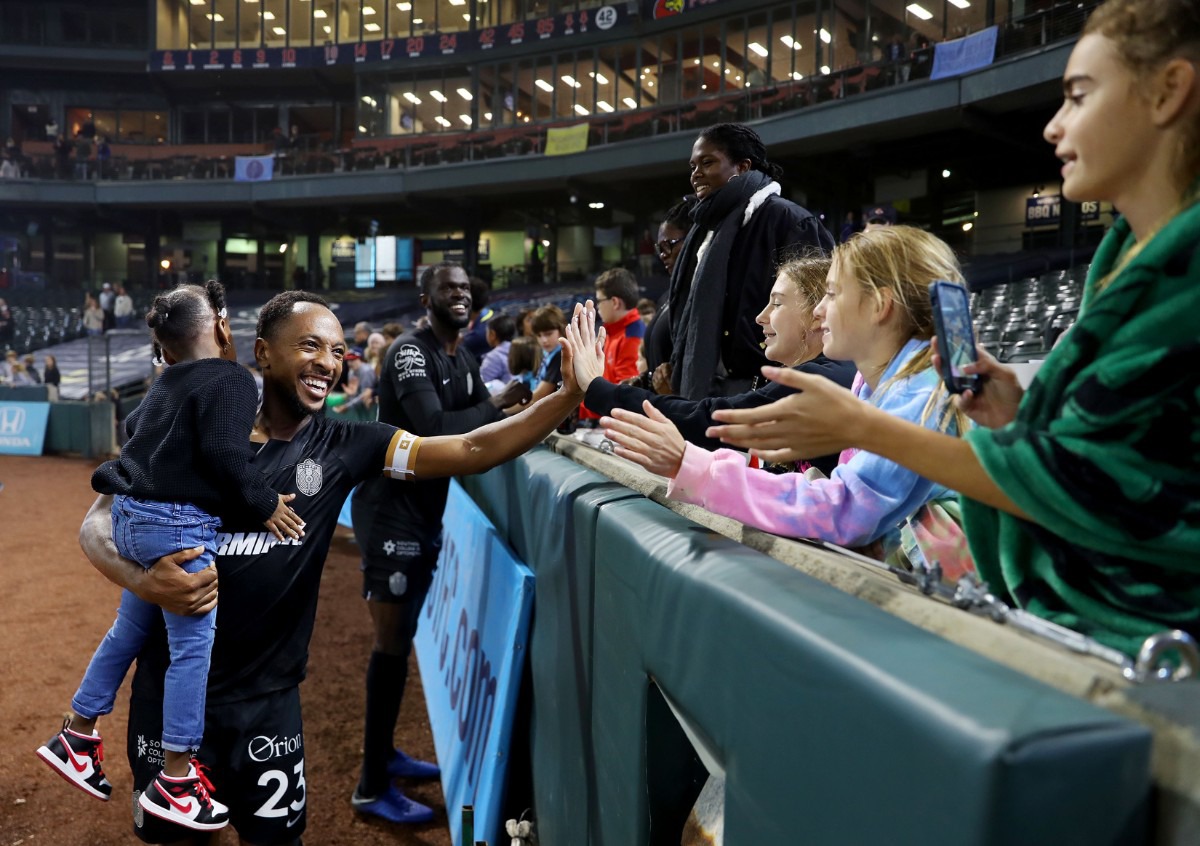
<point x="187" y="456"/>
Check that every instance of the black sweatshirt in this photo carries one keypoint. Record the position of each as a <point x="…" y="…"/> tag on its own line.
<point x="189" y="441"/>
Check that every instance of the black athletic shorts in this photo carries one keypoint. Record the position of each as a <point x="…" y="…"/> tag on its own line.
<point x="255" y="752"/>
<point x="397" y="560"/>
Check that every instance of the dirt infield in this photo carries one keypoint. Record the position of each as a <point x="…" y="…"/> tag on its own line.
<point x="55" y="608"/>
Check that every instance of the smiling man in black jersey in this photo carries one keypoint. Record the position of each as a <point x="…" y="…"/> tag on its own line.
<point x="430" y="385"/>
<point x="254" y="741"/>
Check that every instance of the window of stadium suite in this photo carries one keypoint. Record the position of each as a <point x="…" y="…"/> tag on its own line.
<point x="424" y="103"/>
<point x="126" y="126"/>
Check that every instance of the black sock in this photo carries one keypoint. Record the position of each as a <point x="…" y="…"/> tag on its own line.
<point x="386" y="676"/>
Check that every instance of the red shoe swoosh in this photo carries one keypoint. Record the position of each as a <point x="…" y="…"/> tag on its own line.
<point x="79" y="764"/>
<point x="182" y="808"/>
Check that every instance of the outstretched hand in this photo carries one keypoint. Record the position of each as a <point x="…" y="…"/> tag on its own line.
<point x="996" y="405"/>
<point x="583" y="349"/>
<point x="652" y="441"/>
<point x="820" y="420"/>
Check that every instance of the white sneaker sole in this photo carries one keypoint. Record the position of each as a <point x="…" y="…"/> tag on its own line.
<point x="68" y="773"/>
<point x="179" y="819"/>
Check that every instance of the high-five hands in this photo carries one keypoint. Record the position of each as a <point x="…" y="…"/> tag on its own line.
<point x="586" y="344"/>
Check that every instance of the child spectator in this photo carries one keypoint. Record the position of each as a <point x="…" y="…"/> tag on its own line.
<point x="547" y="324"/>
<point x="188" y="455"/>
<point x="647" y="309"/>
<point x="524" y="359"/>
<point x="616" y="300"/>
<point x="494" y="367"/>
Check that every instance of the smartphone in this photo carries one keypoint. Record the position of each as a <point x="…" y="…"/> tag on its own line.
<point x="955" y="337"/>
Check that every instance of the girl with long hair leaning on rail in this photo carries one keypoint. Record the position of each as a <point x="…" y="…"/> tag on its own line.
<point x="1081" y="496"/>
<point x="876" y="314"/>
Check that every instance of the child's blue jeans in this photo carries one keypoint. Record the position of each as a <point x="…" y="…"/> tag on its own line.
<point x="145" y="531"/>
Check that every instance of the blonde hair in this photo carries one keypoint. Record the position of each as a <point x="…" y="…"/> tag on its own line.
<point x="808" y="273"/>
<point x="905" y="260"/>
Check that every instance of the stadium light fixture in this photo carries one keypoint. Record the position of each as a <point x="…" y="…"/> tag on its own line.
<point x="404" y="7"/>
<point x="368" y="10"/>
<point x="438" y="95"/>
<point x="278" y="30"/>
<point x="412" y="98"/>
<point x="545" y="86"/>
<point x="199" y="2"/>
<point x="320" y="14"/>
<point x="268" y="15"/>
<point x="595" y="205"/>
<point x="418" y="21"/>
<point x="442" y="121"/>
<point x="580" y="109"/>
<point x="946" y="173"/>
<point x="825" y="36"/>
<point x="920" y="11"/>
<point x="602" y="79"/>
<point x="570" y="80"/>
<point x="788" y="41"/>
<point x="328" y="29"/>
<point x="758" y="48"/>
<point x="962" y="4"/>
<point x="465" y="94"/>
<point x="603" y="106"/>
<point x="283" y="248"/>
<point x="371" y="26"/>
<point x="487" y="115"/>
<point x="545" y="243"/>
<point x="465" y="119"/>
<point x="218" y="17"/>
<point x="467" y="17"/>
<point x="825" y="69"/>
<point x="968" y="226"/>
<point x="630" y="102"/>
<point x="165" y="264"/>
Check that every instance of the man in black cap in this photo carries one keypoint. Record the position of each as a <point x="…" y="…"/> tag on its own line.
<point x="877" y="217"/>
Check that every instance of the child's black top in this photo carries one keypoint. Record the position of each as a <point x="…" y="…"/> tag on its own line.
<point x="189" y="441"/>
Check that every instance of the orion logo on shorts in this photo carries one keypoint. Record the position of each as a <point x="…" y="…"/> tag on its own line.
<point x="308" y="477"/>
<point x="263" y="748"/>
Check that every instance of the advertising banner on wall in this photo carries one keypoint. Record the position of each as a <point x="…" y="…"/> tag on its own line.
<point x="952" y="58"/>
<point x="253" y="168"/>
<point x="471" y="645"/>
<point x="564" y="140"/>
<point x="23" y="427"/>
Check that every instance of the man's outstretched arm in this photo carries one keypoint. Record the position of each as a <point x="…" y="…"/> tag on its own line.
<point x="166" y="584"/>
<point x="496" y="443"/>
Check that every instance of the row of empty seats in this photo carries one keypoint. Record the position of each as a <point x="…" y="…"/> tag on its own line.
<point x="1020" y="321"/>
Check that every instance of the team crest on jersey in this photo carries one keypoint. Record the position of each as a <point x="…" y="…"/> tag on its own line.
<point x="308" y="477"/>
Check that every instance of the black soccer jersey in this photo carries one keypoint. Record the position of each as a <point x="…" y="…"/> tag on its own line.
<point x="426" y="392"/>
<point x="268" y="588"/>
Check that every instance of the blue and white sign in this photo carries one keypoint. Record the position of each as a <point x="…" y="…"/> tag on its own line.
<point x="1044" y="210"/>
<point x="952" y="58"/>
<point x="253" y="168"/>
<point x="23" y="427"/>
<point x="471" y="645"/>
